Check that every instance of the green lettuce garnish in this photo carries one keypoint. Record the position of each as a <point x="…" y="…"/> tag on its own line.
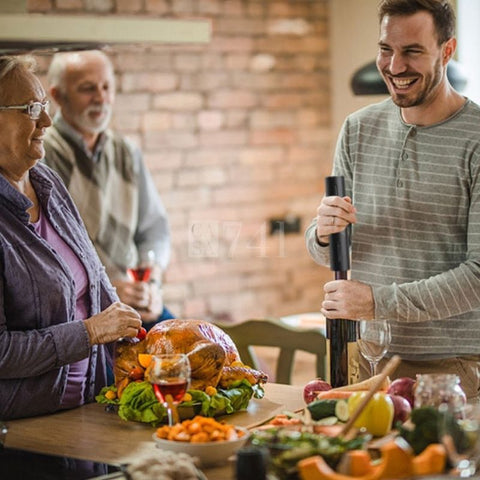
<point x="138" y="402"/>
<point x="239" y="395"/>
<point x="101" y="398"/>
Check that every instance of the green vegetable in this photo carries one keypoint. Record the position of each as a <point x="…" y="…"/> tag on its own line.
<point x="341" y="410"/>
<point x="327" y="421"/>
<point x="322" y="408"/>
<point x="288" y="447"/>
<point x="101" y="398"/>
<point x="429" y="426"/>
<point x="239" y="395"/>
<point x="138" y="402"/>
<point x="326" y="408"/>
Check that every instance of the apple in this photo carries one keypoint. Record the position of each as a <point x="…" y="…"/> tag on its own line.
<point x="401" y="408"/>
<point x="405" y="387"/>
<point x="313" y="387"/>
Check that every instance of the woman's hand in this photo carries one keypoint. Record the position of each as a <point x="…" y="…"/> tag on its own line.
<point x="333" y="215"/>
<point x="117" y="321"/>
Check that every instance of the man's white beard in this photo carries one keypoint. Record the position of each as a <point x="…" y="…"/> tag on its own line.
<point x="90" y="125"/>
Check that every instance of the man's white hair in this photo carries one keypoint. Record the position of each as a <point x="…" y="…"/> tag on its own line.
<point x="60" y="61"/>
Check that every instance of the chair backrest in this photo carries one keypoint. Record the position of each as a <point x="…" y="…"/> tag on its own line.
<point x="275" y="333"/>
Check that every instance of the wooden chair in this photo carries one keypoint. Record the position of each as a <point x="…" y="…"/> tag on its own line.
<point x="275" y="333"/>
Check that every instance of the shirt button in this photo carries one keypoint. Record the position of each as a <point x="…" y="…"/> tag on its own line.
<point x="405" y="156"/>
<point x="413" y="132"/>
<point x="399" y="183"/>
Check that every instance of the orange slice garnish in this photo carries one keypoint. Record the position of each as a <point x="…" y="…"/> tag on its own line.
<point x="144" y="359"/>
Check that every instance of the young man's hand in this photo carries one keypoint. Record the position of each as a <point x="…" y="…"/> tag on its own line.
<point x="348" y="299"/>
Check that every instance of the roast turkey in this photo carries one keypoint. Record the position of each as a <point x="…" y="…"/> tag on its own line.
<point x="214" y="359"/>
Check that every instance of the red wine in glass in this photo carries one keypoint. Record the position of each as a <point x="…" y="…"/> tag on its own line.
<point x="177" y="388"/>
<point x="140" y="274"/>
<point x="169" y="375"/>
<point x="141" y="270"/>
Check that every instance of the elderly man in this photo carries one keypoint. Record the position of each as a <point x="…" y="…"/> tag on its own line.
<point x="107" y="179"/>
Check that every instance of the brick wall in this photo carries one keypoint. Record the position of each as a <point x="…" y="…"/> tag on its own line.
<point x="235" y="133"/>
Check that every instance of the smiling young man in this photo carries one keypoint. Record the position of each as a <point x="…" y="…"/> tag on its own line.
<point x="411" y="165"/>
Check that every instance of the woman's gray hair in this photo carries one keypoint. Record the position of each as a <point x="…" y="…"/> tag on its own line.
<point x="9" y="63"/>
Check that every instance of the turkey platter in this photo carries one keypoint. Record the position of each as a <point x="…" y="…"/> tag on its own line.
<point x="214" y="359"/>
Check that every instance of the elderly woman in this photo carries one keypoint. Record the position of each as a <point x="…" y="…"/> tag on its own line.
<point x="58" y="310"/>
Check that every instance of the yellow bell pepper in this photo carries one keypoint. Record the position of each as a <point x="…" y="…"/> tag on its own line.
<point x="377" y="416"/>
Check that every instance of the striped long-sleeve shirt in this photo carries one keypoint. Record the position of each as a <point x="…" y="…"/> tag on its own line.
<point x="417" y="236"/>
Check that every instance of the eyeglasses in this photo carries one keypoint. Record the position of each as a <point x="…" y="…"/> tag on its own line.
<point x="34" y="110"/>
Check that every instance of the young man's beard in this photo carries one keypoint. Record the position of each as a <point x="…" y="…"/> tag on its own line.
<point x="431" y="82"/>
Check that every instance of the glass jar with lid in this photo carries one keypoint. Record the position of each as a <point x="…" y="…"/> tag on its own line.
<point x="435" y="389"/>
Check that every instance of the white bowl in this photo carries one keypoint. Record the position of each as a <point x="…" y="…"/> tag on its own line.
<point x="209" y="453"/>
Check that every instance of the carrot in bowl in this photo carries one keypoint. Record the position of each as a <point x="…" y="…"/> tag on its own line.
<point x="198" y="430"/>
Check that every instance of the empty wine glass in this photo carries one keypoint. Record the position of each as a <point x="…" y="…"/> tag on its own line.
<point x="170" y="376"/>
<point x="373" y="339"/>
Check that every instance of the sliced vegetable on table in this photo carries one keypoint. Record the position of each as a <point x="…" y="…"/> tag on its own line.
<point x="287" y="447"/>
<point x="396" y="462"/>
<point x="329" y="408"/>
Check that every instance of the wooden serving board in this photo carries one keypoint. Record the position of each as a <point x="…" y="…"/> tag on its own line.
<point x="258" y="412"/>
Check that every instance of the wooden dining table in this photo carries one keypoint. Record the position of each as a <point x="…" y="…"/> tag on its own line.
<point x="92" y="433"/>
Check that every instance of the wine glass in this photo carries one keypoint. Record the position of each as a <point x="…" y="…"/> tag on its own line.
<point x="141" y="270"/>
<point x="373" y="339"/>
<point x="170" y="376"/>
